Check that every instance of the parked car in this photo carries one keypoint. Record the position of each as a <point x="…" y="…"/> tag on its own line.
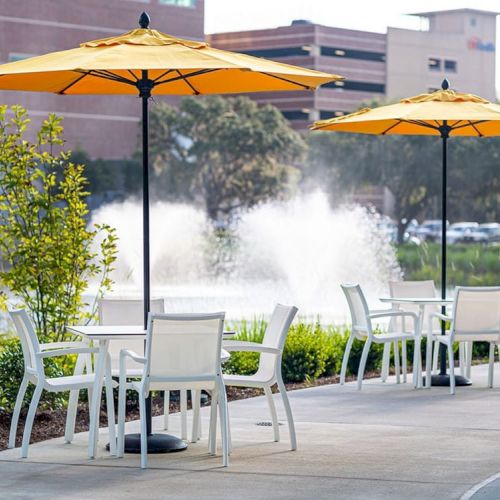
<point x="485" y="233"/>
<point x="458" y="230"/>
<point x="429" y="230"/>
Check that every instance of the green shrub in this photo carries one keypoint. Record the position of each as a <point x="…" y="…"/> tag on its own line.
<point x="11" y="375"/>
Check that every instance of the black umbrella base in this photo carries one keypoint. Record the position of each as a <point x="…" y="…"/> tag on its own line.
<point x="444" y="380"/>
<point x="157" y="443"/>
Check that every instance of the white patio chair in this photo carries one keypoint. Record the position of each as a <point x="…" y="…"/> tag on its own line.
<point x="124" y="311"/>
<point x="183" y="351"/>
<point x="269" y="371"/>
<point x="475" y="317"/>
<point x="411" y="289"/>
<point x="34" y="353"/>
<point x="362" y="329"/>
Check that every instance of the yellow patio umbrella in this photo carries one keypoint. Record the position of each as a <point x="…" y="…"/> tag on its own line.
<point x="147" y="62"/>
<point x="443" y="113"/>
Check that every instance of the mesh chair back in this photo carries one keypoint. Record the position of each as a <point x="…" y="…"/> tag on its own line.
<point x="275" y="336"/>
<point x="412" y="289"/>
<point x="477" y="313"/>
<point x="361" y="324"/>
<point x="184" y="346"/>
<point x="122" y="312"/>
<point x="29" y="340"/>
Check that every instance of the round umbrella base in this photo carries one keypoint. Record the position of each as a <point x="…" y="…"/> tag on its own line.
<point x="444" y="380"/>
<point x="157" y="443"/>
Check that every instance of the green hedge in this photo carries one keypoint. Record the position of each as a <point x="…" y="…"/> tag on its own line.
<point x="11" y="375"/>
<point x="311" y="351"/>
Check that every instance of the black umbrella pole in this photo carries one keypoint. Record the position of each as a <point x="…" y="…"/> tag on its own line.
<point x="156" y="443"/>
<point x="443" y="378"/>
<point x="444" y="218"/>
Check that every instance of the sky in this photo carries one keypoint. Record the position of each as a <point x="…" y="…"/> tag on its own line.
<point x="366" y="15"/>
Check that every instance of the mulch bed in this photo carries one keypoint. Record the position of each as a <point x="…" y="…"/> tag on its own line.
<point x="50" y="423"/>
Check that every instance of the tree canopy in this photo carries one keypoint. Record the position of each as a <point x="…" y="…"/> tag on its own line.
<point x="225" y="153"/>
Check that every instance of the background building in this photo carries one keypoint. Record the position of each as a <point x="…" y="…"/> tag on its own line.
<point x="459" y="44"/>
<point x="104" y="126"/>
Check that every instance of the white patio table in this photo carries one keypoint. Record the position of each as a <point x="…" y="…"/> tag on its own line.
<point x="421" y="302"/>
<point x="103" y="335"/>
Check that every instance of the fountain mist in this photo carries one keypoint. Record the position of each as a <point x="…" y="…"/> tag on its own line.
<point x="296" y="252"/>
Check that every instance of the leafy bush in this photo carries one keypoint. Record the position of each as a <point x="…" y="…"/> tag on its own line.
<point x="11" y="375"/>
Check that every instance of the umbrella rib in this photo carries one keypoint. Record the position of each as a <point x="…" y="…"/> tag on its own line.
<point x="195" y="73"/>
<point x="392" y="126"/>
<point x="133" y="76"/>
<point x="422" y="124"/>
<point x="196" y="92"/>
<point x="473" y="125"/>
<point x="305" y="87"/>
<point x="165" y="73"/>
<point x="111" y="76"/>
<point x="81" y="77"/>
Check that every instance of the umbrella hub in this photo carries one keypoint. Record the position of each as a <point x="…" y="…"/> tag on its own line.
<point x="145" y="86"/>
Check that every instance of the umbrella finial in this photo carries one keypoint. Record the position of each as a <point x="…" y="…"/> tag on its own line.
<point x="144" y="20"/>
<point x="445" y="85"/>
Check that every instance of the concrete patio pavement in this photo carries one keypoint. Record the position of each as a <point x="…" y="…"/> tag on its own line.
<point x="387" y="442"/>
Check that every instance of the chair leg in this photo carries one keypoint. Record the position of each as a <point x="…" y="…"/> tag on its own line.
<point x="385" y="361"/>
<point x="272" y="409"/>
<point x="417" y="364"/>
<point x="435" y="356"/>
<point x="212" y="435"/>
<point x="428" y="362"/>
<point x="17" y="410"/>
<point x="345" y="359"/>
<point x="396" y="362"/>
<point x="362" y="363"/>
<point x="288" y="411"/>
<point x="461" y="357"/>
<point x="144" y="437"/>
<point x="166" y="409"/>
<point x="71" y="416"/>
<point x="195" y="403"/>
<point x="468" y="351"/>
<point x="121" y="419"/>
<point x="224" y="417"/>
<point x="452" y="368"/>
<point x="29" y="420"/>
<point x="403" y="360"/>
<point x="110" y="408"/>
<point x="491" y="365"/>
<point x="183" y="404"/>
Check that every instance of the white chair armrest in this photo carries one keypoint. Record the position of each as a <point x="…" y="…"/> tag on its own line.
<point x="64" y="352"/>
<point x="392" y="312"/>
<point x="63" y="345"/>
<point x="237" y="345"/>
<point x="440" y="316"/>
<point x="124" y="354"/>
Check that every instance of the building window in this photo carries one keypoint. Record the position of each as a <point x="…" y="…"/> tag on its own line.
<point x="434" y="64"/>
<point x="473" y="21"/>
<point x="296" y="114"/>
<point x="279" y="52"/>
<point x="179" y="3"/>
<point x="364" y="55"/>
<point x="373" y="88"/>
<point x="325" y="114"/>
<point x="450" y="66"/>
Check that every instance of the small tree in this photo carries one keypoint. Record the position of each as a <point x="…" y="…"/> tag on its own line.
<point x="45" y="244"/>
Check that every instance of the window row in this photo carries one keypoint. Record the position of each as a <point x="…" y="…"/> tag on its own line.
<point x="436" y="64"/>
<point x="364" y="55"/>
<point x="303" y="114"/>
<point x="376" y="88"/>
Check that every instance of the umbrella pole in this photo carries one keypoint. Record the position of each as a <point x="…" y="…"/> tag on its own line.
<point x="443" y="379"/>
<point x="157" y="443"/>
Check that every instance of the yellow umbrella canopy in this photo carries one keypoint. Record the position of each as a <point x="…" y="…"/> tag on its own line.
<point x="425" y="114"/>
<point x="443" y="113"/>
<point x="115" y="65"/>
